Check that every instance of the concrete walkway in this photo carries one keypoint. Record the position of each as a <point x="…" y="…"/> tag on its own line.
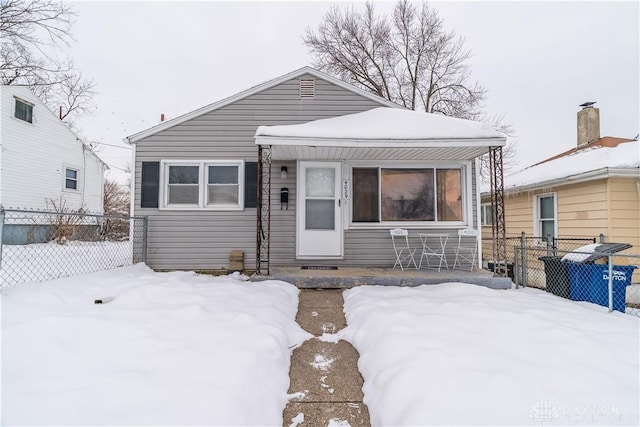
<point x="324" y="375"/>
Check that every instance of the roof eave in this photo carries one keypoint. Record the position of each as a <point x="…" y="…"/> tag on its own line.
<point x="575" y="179"/>
<point x="252" y="91"/>
<point x="381" y="143"/>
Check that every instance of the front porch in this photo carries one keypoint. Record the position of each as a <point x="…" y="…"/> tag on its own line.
<point x="344" y="182"/>
<point x="349" y="277"/>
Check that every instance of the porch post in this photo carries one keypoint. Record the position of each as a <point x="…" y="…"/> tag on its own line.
<point x="497" y="204"/>
<point x="263" y="225"/>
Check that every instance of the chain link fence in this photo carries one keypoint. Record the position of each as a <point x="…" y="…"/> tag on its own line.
<point x="578" y="269"/>
<point x="41" y="245"/>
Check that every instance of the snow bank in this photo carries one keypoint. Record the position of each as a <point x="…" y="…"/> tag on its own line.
<point x="458" y="354"/>
<point x="385" y="124"/>
<point x="170" y="349"/>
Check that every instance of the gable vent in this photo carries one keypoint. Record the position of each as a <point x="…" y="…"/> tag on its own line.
<point x="307" y="88"/>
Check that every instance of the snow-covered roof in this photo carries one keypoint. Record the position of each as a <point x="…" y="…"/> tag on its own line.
<point x="582" y="164"/>
<point x="391" y="124"/>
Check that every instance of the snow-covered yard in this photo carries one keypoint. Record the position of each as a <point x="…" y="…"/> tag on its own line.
<point x="169" y="349"/>
<point x="185" y="349"/>
<point x="459" y="354"/>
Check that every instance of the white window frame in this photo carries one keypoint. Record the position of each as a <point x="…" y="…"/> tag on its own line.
<point x="203" y="174"/>
<point x="467" y="214"/>
<point x="31" y="104"/>
<point x="484" y="207"/>
<point x="65" y="168"/>
<point x="537" y="229"/>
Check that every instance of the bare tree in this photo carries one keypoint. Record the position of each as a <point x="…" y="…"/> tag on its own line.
<point x="116" y="206"/>
<point x="408" y="58"/>
<point x="32" y="34"/>
<point x="116" y="198"/>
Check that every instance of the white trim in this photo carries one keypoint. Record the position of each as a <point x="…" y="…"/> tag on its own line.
<point x="478" y="204"/>
<point x="381" y="143"/>
<point x="163" y="203"/>
<point x="27" y="103"/>
<point x="482" y="207"/>
<point x="252" y="91"/>
<point x="536" y="214"/>
<point x="65" y="167"/>
<point x="132" y="188"/>
<point x="301" y="167"/>
<point x="593" y="175"/>
<point x="467" y="189"/>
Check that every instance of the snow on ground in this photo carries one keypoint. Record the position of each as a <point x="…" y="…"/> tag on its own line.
<point x="45" y="261"/>
<point x="170" y="349"/>
<point x="459" y="354"/>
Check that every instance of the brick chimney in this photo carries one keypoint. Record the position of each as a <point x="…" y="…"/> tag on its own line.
<point x="588" y="124"/>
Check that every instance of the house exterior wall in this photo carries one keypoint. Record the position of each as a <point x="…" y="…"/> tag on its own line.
<point x="362" y="247"/>
<point x="203" y="239"/>
<point x="610" y="206"/>
<point x="624" y="208"/>
<point x="34" y="157"/>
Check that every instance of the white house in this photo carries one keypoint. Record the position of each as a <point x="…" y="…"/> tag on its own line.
<point x="42" y="160"/>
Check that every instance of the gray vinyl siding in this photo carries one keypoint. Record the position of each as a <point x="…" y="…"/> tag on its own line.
<point x="203" y="239"/>
<point x="362" y="247"/>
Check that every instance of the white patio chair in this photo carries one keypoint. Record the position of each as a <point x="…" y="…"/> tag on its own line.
<point x="467" y="249"/>
<point x="404" y="253"/>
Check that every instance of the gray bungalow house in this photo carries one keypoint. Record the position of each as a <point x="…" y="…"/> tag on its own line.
<point x="303" y="170"/>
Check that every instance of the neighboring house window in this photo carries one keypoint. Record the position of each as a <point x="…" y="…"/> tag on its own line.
<point x="203" y="185"/>
<point x="403" y="194"/>
<point x="486" y="214"/>
<point x="23" y="110"/>
<point x="71" y="179"/>
<point x="545" y="216"/>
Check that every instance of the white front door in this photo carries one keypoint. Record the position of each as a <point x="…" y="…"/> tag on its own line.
<point x="319" y="210"/>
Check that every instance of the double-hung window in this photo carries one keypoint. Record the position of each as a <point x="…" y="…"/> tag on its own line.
<point x="545" y="216"/>
<point x="486" y="214"/>
<point x="23" y="110"/>
<point x="70" y="178"/>
<point x="213" y="185"/>
<point x="396" y="194"/>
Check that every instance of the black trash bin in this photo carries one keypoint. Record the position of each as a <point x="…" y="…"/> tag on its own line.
<point x="557" y="275"/>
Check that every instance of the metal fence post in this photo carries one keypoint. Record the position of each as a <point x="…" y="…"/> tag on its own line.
<point x="549" y="245"/>
<point x="610" y="283"/>
<point x="523" y="254"/>
<point x="516" y="266"/>
<point x="601" y="238"/>
<point x="145" y="220"/>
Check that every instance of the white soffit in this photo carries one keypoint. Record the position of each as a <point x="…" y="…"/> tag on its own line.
<point x="300" y="152"/>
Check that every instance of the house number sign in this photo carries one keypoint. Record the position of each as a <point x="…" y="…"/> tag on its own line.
<point x="345" y="189"/>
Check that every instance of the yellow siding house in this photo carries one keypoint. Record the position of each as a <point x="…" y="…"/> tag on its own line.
<point x="591" y="189"/>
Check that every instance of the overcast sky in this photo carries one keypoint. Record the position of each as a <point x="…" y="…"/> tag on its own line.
<point x="538" y="61"/>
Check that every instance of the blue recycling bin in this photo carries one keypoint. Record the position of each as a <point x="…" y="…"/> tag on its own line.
<point x="590" y="282"/>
